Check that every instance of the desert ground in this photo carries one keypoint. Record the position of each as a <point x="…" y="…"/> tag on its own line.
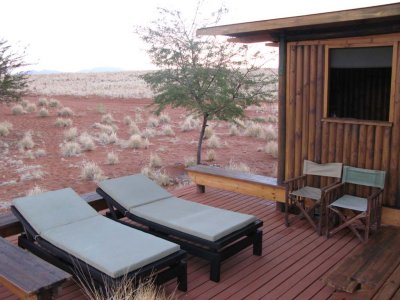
<point x="72" y="136"/>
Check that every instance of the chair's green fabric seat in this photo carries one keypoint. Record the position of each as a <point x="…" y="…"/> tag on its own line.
<point x="133" y="190"/>
<point x="65" y="220"/>
<point x="54" y="208"/>
<point x="308" y="192"/>
<point x="110" y="247"/>
<point x="351" y="202"/>
<point x="193" y="218"/>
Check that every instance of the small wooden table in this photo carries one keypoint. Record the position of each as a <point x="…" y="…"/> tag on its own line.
<point x="28" y="276"/>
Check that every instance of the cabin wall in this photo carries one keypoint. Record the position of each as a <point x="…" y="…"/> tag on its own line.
<point x="309" y="135"/>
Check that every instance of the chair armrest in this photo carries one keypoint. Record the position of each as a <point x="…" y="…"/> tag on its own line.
<point x="295" y="183"/>
<point x="375" y="194"/>
<point x="332" y="192"/>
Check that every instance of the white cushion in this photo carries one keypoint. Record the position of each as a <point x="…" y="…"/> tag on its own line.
<point x="351" y="202"/>
<point x="134" y="190"/>
<point x="200" y="220"/>
<point x="53" y="209"/>
<point x="308" y="192"/>
<point x="111" y="247"/>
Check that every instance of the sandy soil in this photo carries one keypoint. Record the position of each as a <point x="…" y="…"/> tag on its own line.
<point x="60" y="172"/>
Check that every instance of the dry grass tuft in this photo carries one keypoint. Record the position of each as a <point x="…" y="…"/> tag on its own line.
<point x="270" y="134"/>
<point x="208" y="132"/>
<point x="272" y="149"/>
<point x="69" y="149"/>
<point x="100" y="108"/>
<point x="36" y="190"/>
<point x="71" y="134"/>
<point x="148" y="133"/>
<point x="65" y="112"/>
<point x="134" y="129"/>
<point x="211" y="155"/>
<point x="189" y="161"/>
<point x="127" y="120"/>
<point x="112" y="158"/>
<point x="235" y="166"/>
<point x="164" y="118"/>
<point x="26" y="142"/>
<point x="43" y="112"/>
<point x="40" y="152"/>
<point x="107" y="119"/>
<point x="234" y="130"/>
<point x="24" y="103"/>
<point x="17" y="110"/>
<point x="86" y="141"/>
<point x="135" y="141"/>
<point x="108" y="138"/>
<point x="152" y="122"/>
<point x="43" y="102"/>
<point x="155" y="161"/>
<point x="32" y="175"/>
<point x="91" y="171"/>
<point x="105" y="128"/>
<point x="31" y="107"/>
<point x="161" y="178"/>
<point x="189" y="124"/>
<point x="167" y="130"/>
<point x="61" y="122"/>
<point x="126" y="289"/>
<point x="54" y="103"/>
<point x="5" y="128"/>
<point x="254" y="130"/>
<point x="214" y="142"/>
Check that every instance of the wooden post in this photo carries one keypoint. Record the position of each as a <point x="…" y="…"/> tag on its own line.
<point x="282" y="110"/>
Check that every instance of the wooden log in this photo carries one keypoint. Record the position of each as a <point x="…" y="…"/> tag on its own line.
<point x="298" y="113"/>
<point x="387" y="135"/>
<point x="332" y="142"/>
<point x="312" y="106"/>
<point x="394" y="169"/>
<point x="354" y="151"/>
<point x="347" y="144"/>
<point x="306" y="102"/>
<point x="339" y="141"/>
<point x="282" y="109"/>
<point x="378" y="148"/>
<point x="362" y="153"/>
<point x="319" y="102"/>
<point x="325" y="148"/>
<point x="290" y="113"/>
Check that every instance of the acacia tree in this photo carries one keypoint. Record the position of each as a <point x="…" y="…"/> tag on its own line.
<point x="211" y="78"/>
<point x="13" y="82"/>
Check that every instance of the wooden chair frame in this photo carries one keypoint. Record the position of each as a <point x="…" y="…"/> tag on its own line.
<point x="165" y="269"/>
<point x="300" y="202"/>
<point x="357" y="221"/>
<point x="214" y="252"/>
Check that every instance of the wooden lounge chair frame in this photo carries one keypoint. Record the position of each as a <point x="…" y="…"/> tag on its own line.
<point x="363" y="220"/>
<point x="163" y="269"/>
<point x="213" y="251"/>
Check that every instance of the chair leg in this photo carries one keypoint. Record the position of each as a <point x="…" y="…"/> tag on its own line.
<point x="215" y="269"/>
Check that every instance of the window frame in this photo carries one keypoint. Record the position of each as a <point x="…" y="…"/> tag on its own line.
<point x="392" y="83"/>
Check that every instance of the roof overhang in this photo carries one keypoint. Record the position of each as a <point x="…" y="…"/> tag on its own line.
<point x="380" y="19"/>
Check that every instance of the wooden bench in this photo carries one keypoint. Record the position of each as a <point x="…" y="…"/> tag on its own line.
<point x="235" y="181"/>
<point x="28" y="276"/>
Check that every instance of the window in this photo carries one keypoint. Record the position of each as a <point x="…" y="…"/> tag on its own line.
<point x="359" y="82"/>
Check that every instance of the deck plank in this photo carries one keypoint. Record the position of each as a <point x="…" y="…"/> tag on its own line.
<point x="294" y="259"/>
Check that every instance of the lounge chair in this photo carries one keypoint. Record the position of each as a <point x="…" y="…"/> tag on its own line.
<point x="208" y="232"/>
<point x="63" y="229"/>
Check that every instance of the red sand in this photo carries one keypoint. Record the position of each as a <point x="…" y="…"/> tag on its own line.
<point x="60" y="172"/>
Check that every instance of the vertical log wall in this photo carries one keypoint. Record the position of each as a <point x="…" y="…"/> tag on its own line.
<point x="309" y="135"/>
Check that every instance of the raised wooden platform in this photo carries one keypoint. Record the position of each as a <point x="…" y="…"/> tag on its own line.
<point x="293" y="262"/>
<point x="239" y="182"/>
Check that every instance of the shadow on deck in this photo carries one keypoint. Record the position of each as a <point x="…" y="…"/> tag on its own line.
<point x="293" y="262"/>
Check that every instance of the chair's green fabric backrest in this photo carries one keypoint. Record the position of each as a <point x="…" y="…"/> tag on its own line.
<point x="373" y="178"/>
<point x="328" y="170"/>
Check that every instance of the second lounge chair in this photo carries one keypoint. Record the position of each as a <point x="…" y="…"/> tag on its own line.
<point x="211" y="233"/>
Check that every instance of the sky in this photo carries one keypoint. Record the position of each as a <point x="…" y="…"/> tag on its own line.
<point x="75" y="35"/>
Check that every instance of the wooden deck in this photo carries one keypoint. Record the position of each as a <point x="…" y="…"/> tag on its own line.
<point x="294" y="259"/>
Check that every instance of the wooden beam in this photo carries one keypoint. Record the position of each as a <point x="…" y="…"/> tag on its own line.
<point x="307" y="22"/>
